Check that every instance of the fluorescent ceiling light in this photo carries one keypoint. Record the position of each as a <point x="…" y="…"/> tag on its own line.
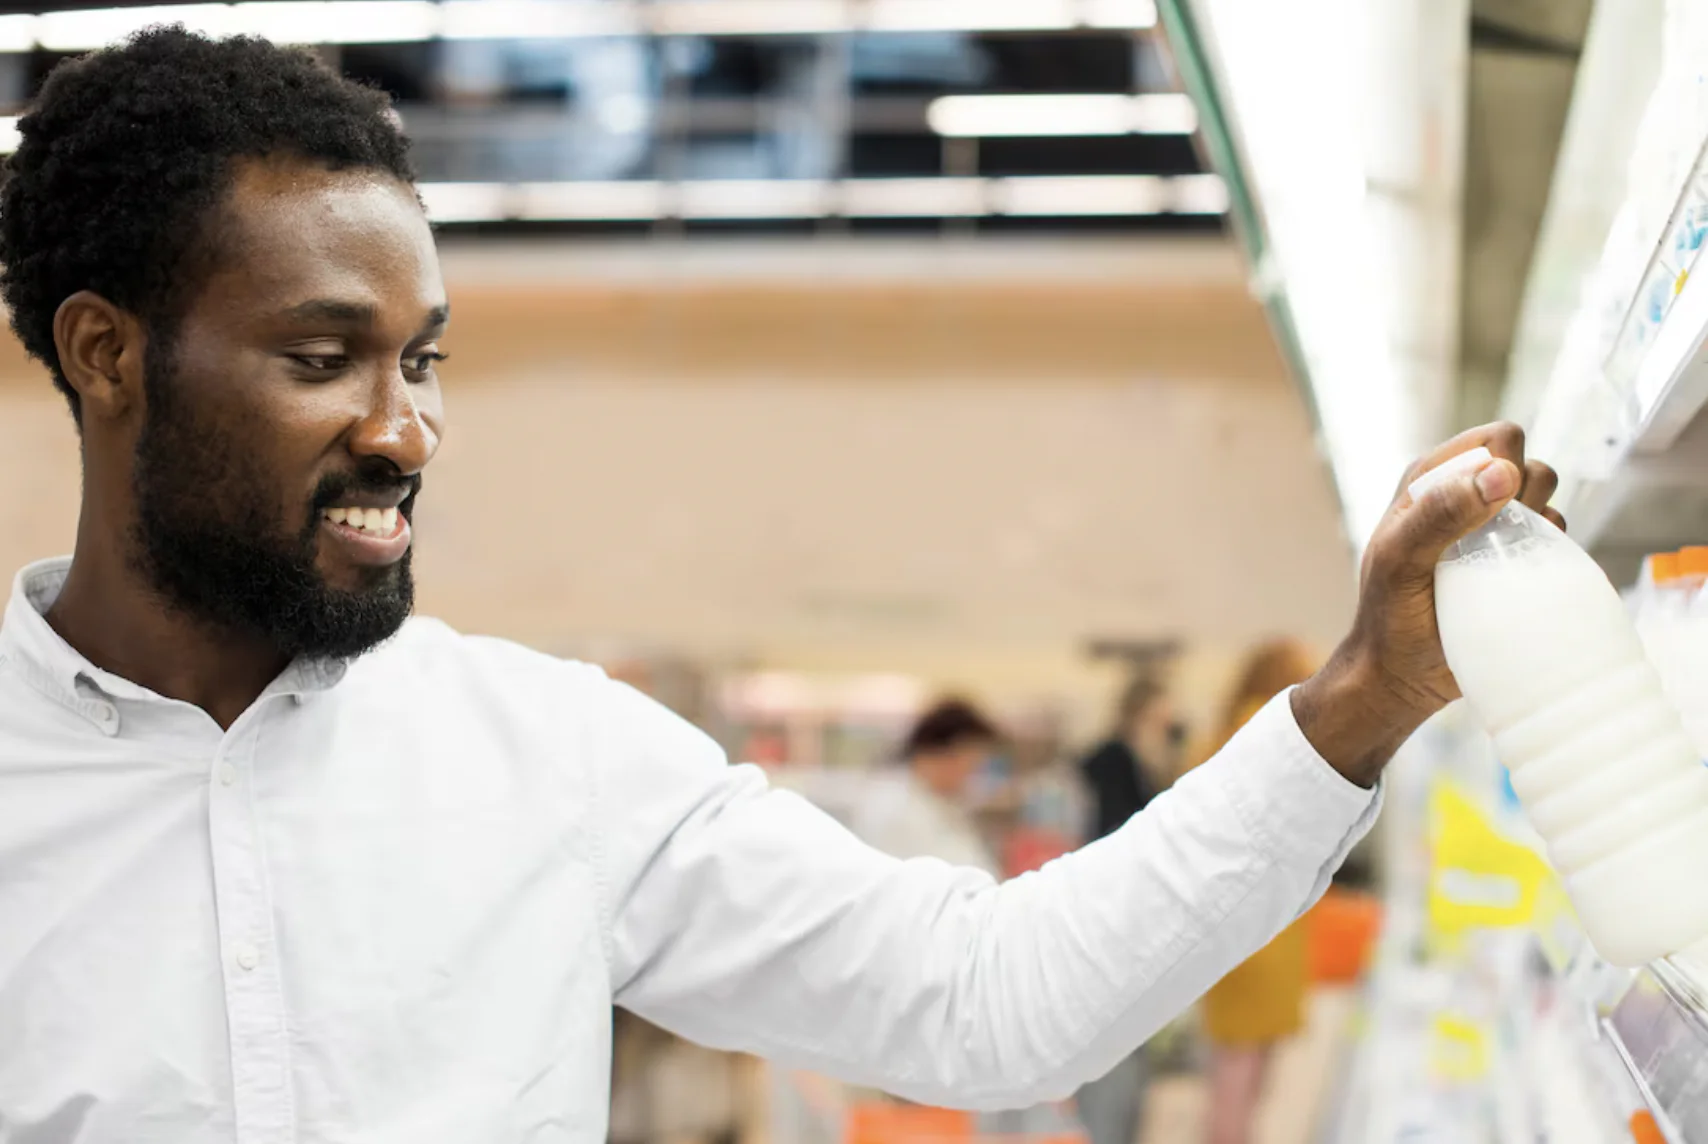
<point x="996" y="115"/>
<point x="1200" y="194"/>
<point x="1112" y="196"/>
<point x="970" y="15"/>
<point x="616" y="201"/>
<point x="1164" y="113"/>
<point x="762" y="17"/>
<point x="464" y="202"/>
<point x="1082" y="195"/>
<point x="411" y="21"/>
<point x="536" y="19"/>
<point x="80" y="30"/>
<point x="18" y="33"/>
<point x="914" y="198"/>
<point x="993" y="116"/>
<point x="752" y="199"/>
<point x="1119" y="13"/>
<point x="340" y="22"/>
<point x="287" y="21"/>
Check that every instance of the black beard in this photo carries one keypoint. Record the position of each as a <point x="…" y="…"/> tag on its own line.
<point x="209" y="540"/>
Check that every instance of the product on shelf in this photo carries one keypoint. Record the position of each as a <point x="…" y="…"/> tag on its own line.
<point x="1671" y="615"/>
<point x="1691" y="654"/>
<point x="1544" y="650"/>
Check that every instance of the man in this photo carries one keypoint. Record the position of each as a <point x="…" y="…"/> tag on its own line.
<point x="277" y="866"/>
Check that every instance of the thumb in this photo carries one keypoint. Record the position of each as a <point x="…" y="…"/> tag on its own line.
<point x="1454" y="507"/>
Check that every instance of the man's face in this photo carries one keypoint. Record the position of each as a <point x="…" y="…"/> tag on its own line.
<point x="289" y="418"/>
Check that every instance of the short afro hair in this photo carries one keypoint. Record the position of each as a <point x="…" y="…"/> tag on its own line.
<point x="126" y="150"/>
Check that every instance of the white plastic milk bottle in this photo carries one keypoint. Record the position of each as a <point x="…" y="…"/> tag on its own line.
<point x="1545" y="652"/>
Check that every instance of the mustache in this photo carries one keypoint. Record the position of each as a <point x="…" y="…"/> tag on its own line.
<point x="380" y="480"/>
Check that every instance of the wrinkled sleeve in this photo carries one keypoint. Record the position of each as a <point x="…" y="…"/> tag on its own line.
<point x="745" y="919"/>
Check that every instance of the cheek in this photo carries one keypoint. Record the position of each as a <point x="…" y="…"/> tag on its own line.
<point x="261" y="464"/>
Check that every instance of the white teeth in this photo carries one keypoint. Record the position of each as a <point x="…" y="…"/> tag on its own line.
<point x="377" y="521"/>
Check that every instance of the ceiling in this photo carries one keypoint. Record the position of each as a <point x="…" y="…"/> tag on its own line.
<point x="901" y="456"/>
<point x="640" y="116"/>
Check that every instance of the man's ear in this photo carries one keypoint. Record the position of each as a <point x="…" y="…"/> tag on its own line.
<point x="101" y="348"/>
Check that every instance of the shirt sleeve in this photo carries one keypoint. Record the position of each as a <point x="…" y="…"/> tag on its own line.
<point x="745" y="919"/>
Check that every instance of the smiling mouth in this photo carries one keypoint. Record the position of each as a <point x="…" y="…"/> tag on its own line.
<point x="381" y="523"/>
<point x="375" y="537"/>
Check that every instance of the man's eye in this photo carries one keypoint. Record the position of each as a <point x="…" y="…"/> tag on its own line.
<point x="421" y="363"/>
<point x="321" y="363"/>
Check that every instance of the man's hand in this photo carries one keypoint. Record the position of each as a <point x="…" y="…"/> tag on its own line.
<point x="1390" y="674"/>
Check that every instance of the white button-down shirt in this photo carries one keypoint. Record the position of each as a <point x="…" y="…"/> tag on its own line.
<point x="394" y="904"/>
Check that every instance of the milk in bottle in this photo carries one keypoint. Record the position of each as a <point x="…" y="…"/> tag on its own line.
<point x="1543" y="648"/>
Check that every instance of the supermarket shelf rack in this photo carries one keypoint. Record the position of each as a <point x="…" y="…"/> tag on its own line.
<point x="1516" y="1035"/>
<point x="1659" y="1030"/>
<point x="1624" y="416"/>
<point x="1621" y="411"/>
<point x="1643" y="446"/>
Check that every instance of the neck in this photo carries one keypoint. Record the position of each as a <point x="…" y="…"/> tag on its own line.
<point x="116" y="621"/>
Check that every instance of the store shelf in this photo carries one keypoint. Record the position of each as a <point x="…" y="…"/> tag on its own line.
<point x="1654" y="493"/>
<point x="1623" y="408"/>
<point x="1612" y="374"/>
<point x="1659" y="1030"/>
<point x="1569" y="1061"/>
<point x="1652" y="498"/>
<point x="1511" y="1033"/>
<point x="1671" y="384"/>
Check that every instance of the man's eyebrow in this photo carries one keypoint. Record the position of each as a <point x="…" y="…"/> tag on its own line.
<point x="358" y="313"/>
<point x="436" y="317"/>
<point x="333" y="310"/>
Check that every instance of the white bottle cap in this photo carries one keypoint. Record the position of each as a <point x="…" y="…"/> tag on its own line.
<point x="1449" y="469"/>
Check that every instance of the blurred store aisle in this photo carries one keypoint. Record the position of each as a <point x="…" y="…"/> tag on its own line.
<point x="1300" y="1083"/>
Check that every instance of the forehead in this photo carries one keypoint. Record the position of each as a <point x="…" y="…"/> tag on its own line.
<point x="292" y="232"/>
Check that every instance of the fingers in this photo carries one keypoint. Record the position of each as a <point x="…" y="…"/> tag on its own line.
<point x="1540" y="484"/>
<point x="1421" y="531"/>
<point x="1442" y="515"/>
<point x="1505" y="440"/>
<point x="1502" y="438"/>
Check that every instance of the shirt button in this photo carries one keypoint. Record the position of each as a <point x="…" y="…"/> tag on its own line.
<point x="246" y="956"/>
<point x="227" y="774"/>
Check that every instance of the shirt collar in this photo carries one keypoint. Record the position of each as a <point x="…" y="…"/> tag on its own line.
<point x="57" y="668"/>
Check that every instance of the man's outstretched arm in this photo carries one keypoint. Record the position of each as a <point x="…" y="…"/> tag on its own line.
<point x="745" y="919"/>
